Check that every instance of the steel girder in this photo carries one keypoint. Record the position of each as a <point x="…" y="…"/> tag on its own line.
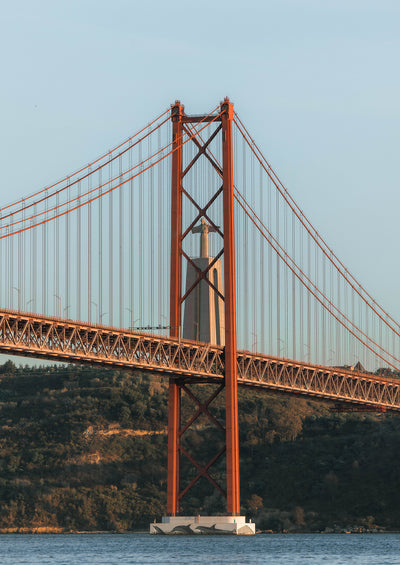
<point x="73" y="342"/>
<point x="51" y="338"/>
<point x="328" y="383"/>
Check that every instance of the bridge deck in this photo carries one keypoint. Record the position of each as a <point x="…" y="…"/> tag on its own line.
<point x="74" y="342"/>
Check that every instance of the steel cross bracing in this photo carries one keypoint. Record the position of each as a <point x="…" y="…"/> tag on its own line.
<point x="52" y="338"/>
<point x="180" y="190"/>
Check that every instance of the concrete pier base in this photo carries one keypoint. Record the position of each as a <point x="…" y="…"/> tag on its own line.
<point x="205" y="525"/>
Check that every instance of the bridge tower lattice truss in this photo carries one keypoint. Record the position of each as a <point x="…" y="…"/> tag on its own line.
<point x="183" y="125"/>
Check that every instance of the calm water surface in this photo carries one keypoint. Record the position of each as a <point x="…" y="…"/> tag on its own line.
<point x="109" y="549"/>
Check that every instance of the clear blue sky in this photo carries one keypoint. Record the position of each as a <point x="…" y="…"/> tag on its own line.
<point x="317" y="83"/>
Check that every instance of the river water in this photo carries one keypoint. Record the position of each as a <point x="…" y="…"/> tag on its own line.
<point x="124" y="549"/>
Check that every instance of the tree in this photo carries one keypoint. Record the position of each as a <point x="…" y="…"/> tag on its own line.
<point x="8" y="368"/>
<point x="254" y="504"/>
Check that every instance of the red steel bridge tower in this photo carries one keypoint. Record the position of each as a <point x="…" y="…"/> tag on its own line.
<point x="177" y="387"/>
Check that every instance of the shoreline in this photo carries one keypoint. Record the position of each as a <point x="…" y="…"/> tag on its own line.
<point x="44" y="530"/>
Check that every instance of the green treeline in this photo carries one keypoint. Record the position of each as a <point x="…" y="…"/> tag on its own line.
<point x="86" y="449"/>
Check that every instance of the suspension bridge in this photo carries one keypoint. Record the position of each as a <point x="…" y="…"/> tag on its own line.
<point x="181" y="253"/>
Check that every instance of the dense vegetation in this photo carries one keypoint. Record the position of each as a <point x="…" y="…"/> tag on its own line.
<point x="86" y="449"/>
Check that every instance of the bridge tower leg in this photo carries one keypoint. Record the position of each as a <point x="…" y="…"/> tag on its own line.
<point x="231" y="394"/>
<point x="174" y="398"/>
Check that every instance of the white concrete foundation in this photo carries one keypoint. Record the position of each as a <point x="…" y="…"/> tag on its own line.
<point x="206" y="525"/>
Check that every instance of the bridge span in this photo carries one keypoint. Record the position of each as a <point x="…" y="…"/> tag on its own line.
<point x="46" y="337"/>
<point x="113" y="241"/>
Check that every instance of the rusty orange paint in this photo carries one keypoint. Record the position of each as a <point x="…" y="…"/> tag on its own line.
<point x="231" y="394"/>
<point x="231" y="415"/>
<point x="174" y="409"/>
<point x="175" y="306"/>
<point x="176" y="220"/>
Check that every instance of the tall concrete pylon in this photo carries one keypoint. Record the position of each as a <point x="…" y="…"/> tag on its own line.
<point x="204" y="314"/>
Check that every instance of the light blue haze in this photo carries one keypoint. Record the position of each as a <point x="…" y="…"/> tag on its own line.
<point x="316" y="83"/>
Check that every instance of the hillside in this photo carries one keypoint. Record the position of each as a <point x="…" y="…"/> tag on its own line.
<point x="85" y="449"/>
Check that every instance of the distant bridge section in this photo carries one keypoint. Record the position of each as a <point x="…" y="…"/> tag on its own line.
<point x="69" y="341"/>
